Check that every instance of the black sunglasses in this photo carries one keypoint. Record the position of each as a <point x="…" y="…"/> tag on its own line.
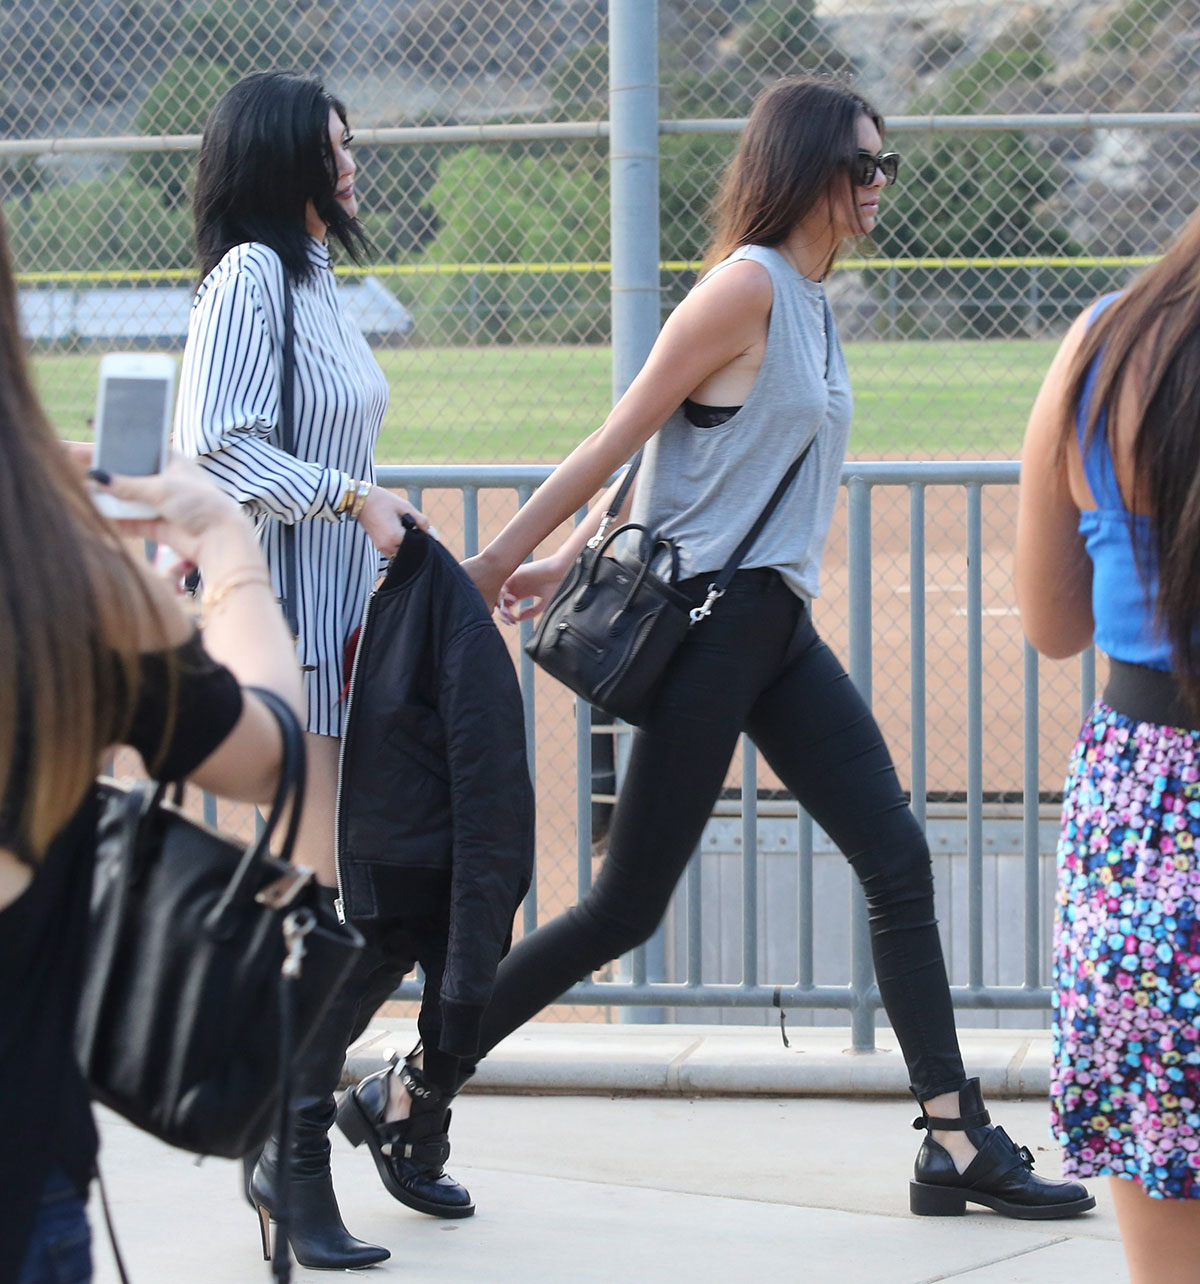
<point x="864" y="165"/>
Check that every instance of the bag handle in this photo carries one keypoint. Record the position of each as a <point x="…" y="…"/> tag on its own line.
<point x="608" y="540"/>
<point x="292" y="775"/>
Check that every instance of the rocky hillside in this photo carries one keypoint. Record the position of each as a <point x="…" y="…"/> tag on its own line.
<point x="87" y="67"/>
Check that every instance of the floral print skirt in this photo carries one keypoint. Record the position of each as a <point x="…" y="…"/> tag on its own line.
<point x="1125" y="1073"/>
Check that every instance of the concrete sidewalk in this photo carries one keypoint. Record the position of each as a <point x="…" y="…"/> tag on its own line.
<point x="666" y="1185"/>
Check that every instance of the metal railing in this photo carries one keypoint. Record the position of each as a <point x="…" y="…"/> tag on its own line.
<point x="861" y="996"/>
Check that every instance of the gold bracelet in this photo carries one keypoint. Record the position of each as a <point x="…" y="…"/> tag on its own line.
<point x="347" y="499"/>
<point x="251" y="575"/>
<point x="360" y="499"/>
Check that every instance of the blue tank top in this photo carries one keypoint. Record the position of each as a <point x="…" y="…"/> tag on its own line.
<point x="1124" y="574"/>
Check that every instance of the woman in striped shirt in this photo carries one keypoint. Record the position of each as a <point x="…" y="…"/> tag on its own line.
<point x="275" y="181"/>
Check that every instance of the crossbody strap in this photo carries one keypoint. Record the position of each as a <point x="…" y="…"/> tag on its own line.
<point x="287" y="439"/>
<point x="112" y="1233"/>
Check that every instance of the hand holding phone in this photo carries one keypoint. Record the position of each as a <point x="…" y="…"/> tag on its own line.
<point x="133" y="422"/>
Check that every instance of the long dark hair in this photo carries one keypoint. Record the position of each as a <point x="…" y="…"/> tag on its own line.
<point x="1157" y="320"/>
<point x="794" y="154"/>
<point x="72" y="609"/>
<point x="264" y="156"/>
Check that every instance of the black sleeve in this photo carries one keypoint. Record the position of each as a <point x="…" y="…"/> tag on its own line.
<point x="493" y="817"/>
<point x="187" y="704"/>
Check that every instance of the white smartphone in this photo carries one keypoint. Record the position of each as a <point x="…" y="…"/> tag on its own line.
<point x="133" y="421"/>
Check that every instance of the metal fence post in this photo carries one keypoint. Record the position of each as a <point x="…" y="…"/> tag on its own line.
<point x="635" y="282"/>
<point x="862" y="971"/>
<point x="633" y="163"/>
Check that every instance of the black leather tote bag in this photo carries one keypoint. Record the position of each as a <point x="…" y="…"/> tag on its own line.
<point x="613" y="624"/>
<point x="180" y="1019"/>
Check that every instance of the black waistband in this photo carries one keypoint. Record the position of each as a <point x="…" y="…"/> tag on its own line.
<point x="1146" y="695"/>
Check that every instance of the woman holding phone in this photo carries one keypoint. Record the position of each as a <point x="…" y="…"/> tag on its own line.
<point x="100" y="654"/>
<point x="746" y="372"/>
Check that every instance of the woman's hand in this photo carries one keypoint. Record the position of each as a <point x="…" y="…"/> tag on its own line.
<point x="381" y="518"/>
<point x="528" y="589"/>
<point x="535" y="580"/>
<point x="486" y="577"/>
<point x="193" y="512"/>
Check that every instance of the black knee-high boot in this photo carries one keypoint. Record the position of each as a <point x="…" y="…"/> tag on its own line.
<point x="319" y="1238"/>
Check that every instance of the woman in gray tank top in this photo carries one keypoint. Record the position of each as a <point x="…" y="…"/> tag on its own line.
<point x="746" y="372"/>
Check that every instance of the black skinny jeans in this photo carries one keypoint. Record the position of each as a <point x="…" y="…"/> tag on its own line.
<point x="393" y="948"/>
<point x="755" y="665"/>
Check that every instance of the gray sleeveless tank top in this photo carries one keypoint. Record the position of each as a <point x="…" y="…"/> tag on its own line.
<point x="704" y="487"/>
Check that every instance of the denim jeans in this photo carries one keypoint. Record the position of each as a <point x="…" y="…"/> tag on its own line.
<point x="60" y="1251"/>
<point x="755" y="665"/>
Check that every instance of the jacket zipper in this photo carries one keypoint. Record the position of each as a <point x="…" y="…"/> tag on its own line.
<point x="340" y="904"/>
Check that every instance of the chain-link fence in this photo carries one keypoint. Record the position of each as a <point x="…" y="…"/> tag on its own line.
<point x="1049" y="148"/>
<point x="996" y="236"/>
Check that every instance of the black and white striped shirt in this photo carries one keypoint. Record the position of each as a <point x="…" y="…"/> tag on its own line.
<point x="227" y="416"/>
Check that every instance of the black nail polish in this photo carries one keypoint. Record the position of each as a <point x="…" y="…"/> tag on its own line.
<point x="99" y="475"/>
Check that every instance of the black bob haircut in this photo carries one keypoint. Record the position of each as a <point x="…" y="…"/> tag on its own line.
<point x="265" y="155"/>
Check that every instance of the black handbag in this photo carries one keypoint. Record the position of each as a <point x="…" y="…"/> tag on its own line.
<point x="615" y="621"/>
<point x="184" y="1022"/>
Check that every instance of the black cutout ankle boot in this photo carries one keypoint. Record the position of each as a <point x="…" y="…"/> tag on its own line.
<point x="1000" y="1176"/>
<point x="411" y="1153"/>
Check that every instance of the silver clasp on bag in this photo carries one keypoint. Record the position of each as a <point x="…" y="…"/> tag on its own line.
<point x="598" y="538"/>
<point x="296" y="927"/>
<point x="704" y="610"/>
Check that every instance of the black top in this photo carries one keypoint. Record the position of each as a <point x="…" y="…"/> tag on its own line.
<point x="700" y="415"/>
<point x="46" y="1119"/>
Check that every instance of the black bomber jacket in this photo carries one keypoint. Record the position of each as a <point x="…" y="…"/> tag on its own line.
<point x="435" y="803"/>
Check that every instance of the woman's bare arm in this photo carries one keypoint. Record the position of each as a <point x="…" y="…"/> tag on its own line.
<point x="713" y="326"/>
<point x="1051" y="569"/>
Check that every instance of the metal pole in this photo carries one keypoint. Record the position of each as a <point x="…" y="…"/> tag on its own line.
<point x="634" y="284"/>
<point x="749" y="862"/>
<point x="1033" y="866"/>
<point x="975" y="736"/>
<point x="529" y="908"/>
<point x="862" y="971"/>
<point x="633" y="162"/>
<point x="916" y="629"/>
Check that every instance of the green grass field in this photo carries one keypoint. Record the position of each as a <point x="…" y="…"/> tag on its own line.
<point x="511" y="405"/>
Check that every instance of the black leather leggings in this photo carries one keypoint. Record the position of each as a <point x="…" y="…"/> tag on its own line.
<point x="755" y="665"/>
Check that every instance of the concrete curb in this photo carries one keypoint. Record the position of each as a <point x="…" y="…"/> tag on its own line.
<point x="716" y="1061"/>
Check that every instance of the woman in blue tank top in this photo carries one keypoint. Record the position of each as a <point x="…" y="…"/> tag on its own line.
<point x="1108" y="550"/>
<point x="746" y="372"/>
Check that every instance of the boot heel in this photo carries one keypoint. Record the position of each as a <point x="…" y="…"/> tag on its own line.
<point x="264" y="1226"/>
<point x="935" y="1201"/>
<point x="350" y="1119"/>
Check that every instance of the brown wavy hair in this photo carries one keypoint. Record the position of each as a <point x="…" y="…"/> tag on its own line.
<point x="794" y="154"/>
<point x="1157" y="320"/>
<point x="73" y="608"/>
